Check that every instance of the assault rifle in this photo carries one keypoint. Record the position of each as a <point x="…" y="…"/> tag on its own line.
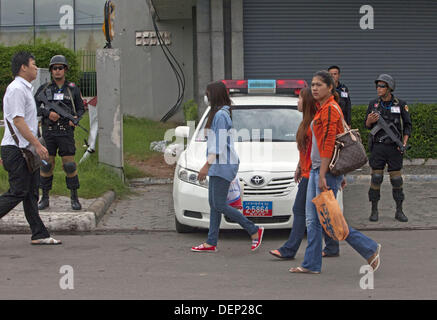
<point x="54" y="106"/>
<point x="382" y="125"/>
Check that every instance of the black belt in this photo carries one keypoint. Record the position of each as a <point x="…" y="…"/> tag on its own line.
<point x="386" y="141"/>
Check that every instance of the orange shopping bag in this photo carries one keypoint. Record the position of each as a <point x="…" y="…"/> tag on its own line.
<point x="330" y="215"/>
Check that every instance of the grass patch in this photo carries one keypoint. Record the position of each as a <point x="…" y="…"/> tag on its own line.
<point x="138" y="133"/>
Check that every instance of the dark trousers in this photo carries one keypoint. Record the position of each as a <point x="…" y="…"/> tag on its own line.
<point x="383" y="154"/>
<point x="289" y="248"/>
<point x="63" y="144"/>
<point x="23" y="187"/>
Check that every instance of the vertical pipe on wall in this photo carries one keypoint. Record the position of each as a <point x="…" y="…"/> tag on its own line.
<point x="203" y="50"/>
<point x="34" y="22"/>
<point x="195" y="80"/>
<point x="74" y="25"/>
<point x="237" y="47"/>
<point x="227" y="30"/>
<point x="217" y="40"/>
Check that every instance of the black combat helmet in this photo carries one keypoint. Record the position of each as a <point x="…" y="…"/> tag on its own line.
<point x="387" y="79"/>
<point x="58" y="59"/>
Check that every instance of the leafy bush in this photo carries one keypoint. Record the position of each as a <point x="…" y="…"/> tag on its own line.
<point x="190" y="111"/>
<point x="43" y="50"/>
<point x="423" y="140"/>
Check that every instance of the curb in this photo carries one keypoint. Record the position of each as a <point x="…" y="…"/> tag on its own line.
<point x="149" y="181"/>
<point x="407" y="178"/>
<point x="15" y="222"/>
<point x="82" y="221"/>
<point x="101" y="205"/>
<point x="415" y="162"/>
<point x="420" y="162"/>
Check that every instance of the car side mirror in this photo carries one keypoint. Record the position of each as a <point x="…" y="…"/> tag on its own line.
<point x="182" y="131"/>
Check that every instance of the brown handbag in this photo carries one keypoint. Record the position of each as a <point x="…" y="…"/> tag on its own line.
<point x="32" y="158"/>
<point x="349" y="153"/>
<point x="330" y="216"/>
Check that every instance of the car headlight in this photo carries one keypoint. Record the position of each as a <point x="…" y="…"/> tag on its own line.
<point x="190" y="176"/>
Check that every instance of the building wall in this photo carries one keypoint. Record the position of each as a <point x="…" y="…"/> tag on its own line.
<point x="148" y="85"/>
<point x="210" y="61"/>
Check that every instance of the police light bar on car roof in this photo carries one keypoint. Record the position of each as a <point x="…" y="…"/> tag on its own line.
<point x="236" y="86"/>
<point x="281" y="86"/>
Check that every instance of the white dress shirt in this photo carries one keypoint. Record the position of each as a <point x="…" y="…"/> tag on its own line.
<point x="19" y="101"/>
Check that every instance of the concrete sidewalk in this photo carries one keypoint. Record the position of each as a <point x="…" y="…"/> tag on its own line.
<point x="150" y="207"/>
<point x="59" y="216"/>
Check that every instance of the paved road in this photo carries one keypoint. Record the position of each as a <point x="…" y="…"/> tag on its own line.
<point x="159" y="265"/>
<point x="151" y="208"/>
<point x="136" y="254"/>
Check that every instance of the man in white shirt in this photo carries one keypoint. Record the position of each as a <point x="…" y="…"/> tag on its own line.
<point x="19" y="109"/>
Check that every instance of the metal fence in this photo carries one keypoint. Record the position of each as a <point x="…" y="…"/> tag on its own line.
<point x="88" y="78"/>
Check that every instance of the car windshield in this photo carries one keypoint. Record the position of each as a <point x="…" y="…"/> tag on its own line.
<point x="263" y="123"/>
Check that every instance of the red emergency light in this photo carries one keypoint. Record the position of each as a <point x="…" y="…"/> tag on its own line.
<point x="236" y="86"/>
<point x="285" y="85"/>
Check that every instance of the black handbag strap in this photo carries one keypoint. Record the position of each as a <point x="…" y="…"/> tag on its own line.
<point x="14" y="136"/>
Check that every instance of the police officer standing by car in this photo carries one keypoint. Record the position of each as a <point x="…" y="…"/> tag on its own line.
<point x="343" y="91"/>
<point x="58" y="132"/>
<point x="383" y="149"/>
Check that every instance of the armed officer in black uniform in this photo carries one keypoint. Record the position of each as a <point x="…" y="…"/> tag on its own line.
<point x="383" y="150"/>
<point x="58" y="132"/>
<point x="343" y="92"/>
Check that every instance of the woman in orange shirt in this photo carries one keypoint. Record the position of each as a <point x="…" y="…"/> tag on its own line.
<point x="325" y="126"/>
<point x="306" y="105"/>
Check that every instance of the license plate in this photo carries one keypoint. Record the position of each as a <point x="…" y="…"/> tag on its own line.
<point x="258" y="208"/>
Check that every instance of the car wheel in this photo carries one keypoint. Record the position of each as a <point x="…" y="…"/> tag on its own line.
<point x="182" y="228"/>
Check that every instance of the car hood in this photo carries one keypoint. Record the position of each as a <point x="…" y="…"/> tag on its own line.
<point x="254" y="156"/>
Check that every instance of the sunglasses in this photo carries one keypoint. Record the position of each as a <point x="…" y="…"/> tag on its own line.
<point x="381" y="86"/>
<point x="58" y="68"/>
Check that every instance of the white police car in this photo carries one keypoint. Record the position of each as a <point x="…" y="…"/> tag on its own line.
<point x="265" y="119"/>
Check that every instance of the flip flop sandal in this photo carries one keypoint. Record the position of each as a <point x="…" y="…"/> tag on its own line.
<point x="302" y="270"/>
<point x="324" y="255"/>
<point x="376" y="259"/>
<point x="46" y="241"/>
<point x="277" y="254"/>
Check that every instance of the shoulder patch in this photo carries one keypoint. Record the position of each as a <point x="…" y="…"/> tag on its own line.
<point x="406" y="108"/>
<point x="71" y="84"/>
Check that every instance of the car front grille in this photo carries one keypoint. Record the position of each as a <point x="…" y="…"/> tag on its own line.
<point x="276" y="187"/>
<point x="264" y="220"/>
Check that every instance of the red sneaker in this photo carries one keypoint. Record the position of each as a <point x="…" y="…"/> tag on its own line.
<point x="202" y="248"/>
<point x="257" y="242"/>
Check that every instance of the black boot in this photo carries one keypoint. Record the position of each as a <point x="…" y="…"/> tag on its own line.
<point x="374" y="215"/>
<point x="399" y="215"/>
<point x="75" y="204"/>
<point x="44" y="202"/>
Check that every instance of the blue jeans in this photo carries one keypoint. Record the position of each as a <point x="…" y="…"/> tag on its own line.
<point x="217" y="194"/>
<point x="289" y="249"/>
<point x="365" y="246"/>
